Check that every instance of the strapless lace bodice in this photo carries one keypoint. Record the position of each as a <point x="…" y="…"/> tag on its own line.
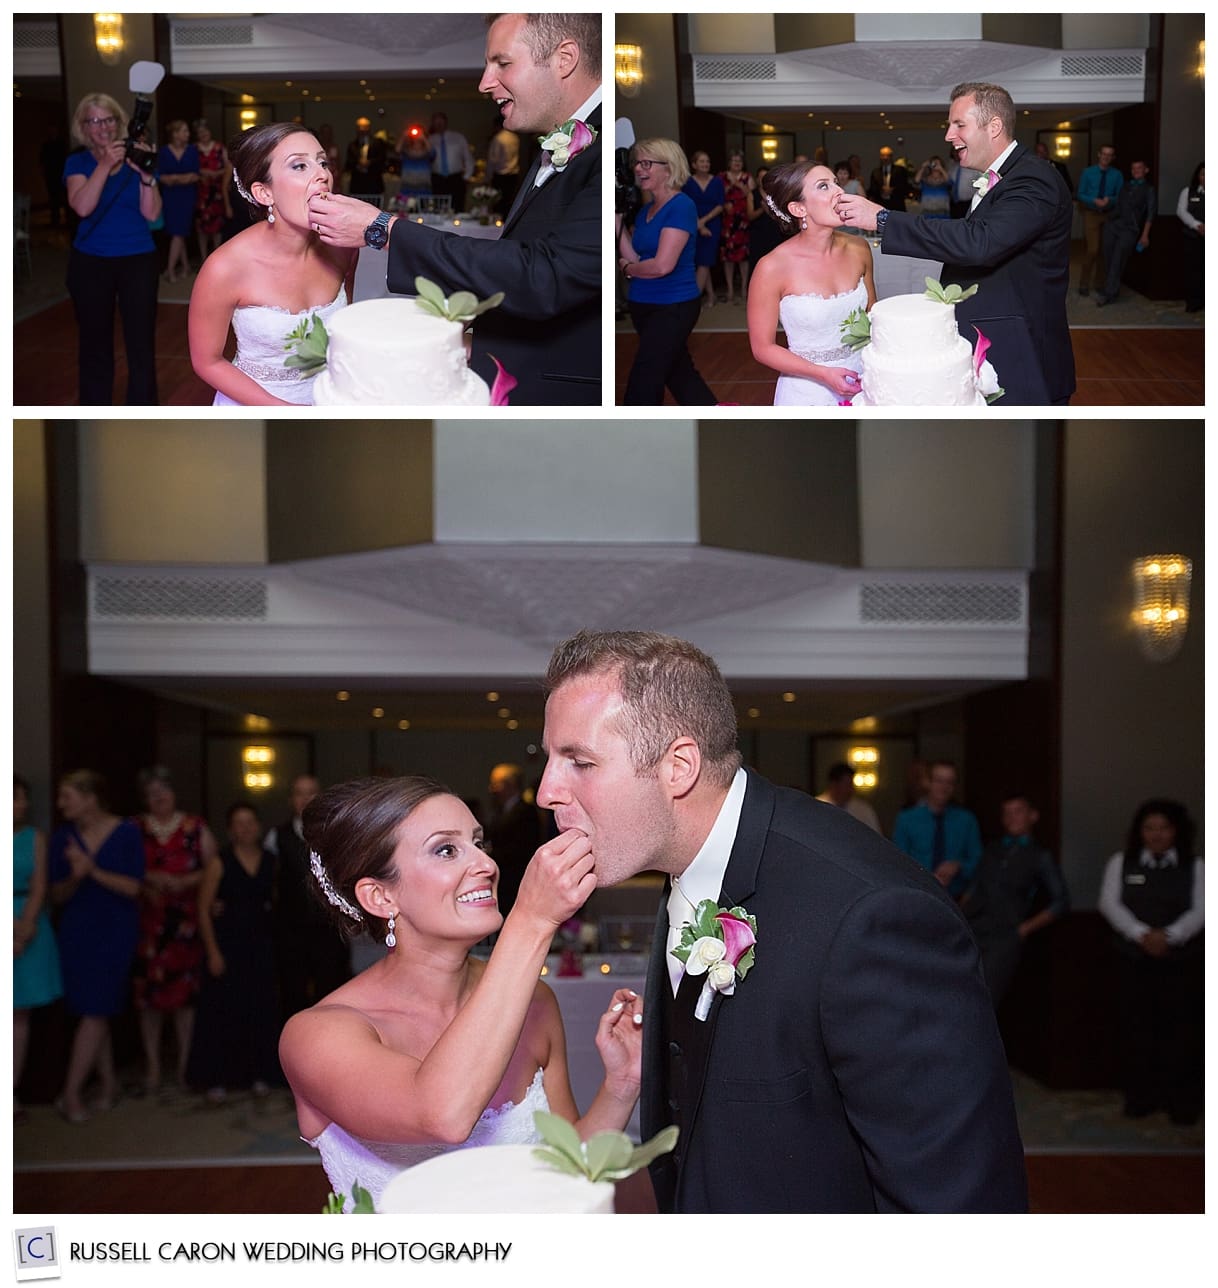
<point x="261" y="331"/>
<point x="374" y="1164"/>
<point x="813" y="325"/>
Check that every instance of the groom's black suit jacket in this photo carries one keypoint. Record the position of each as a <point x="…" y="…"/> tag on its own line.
<point x="1016" y="247"/>
<point x="858" y="1066"/>
<point x="547" y="262"/>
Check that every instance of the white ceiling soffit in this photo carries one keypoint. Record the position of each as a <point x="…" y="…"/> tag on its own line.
<point x="917" y="74"/>
<point x="326" y="43"/>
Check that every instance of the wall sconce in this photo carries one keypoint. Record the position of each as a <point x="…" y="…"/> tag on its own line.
<point x="1201" y="58"/>
<point x="1062" y="147"/>
<point x="1161" y="585"/>
<point x="628" y="69"/>
<point x="257" y="761"/>
<point x="108" y="37"/>
<point x="769" y="150"/>
<point x="864" y="760"/>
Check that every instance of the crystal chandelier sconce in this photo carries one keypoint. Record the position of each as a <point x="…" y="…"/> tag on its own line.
<point x="108" y="37"/>
<point x="628" y="69"/>
<point x="1161" y="585"/>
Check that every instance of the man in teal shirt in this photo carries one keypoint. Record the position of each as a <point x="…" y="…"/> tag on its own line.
<point x="942" y="836"/>
<point x="1098" y="186"/>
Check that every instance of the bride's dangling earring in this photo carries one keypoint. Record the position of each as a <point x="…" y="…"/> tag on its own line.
<point x="803" y="223"/>
<point x="391" y="940"/>
<point x="270" y="213"/>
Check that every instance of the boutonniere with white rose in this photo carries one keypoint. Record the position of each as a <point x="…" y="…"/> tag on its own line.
<point x="982" y="184"/>
<point x="567" y="141"/>
<point x="718" y="943"/>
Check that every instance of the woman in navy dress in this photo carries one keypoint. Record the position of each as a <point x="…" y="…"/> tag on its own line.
<point x="178" y="163"/>
<point x="707" y="193"/>
<point x="96" y="866"/>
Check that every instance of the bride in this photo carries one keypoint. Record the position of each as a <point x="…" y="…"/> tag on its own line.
<point x="270" y="278"/>
<point x="430" y="1048"/>
<point x="811" y="282"/>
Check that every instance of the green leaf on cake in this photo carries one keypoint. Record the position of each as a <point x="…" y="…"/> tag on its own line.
<point x="310" y="340"/>
<point x="606" y="1156"/>
<point x="661" y="1143"/>
<point x="461" y="306"/>
<point x="361" y="1202"/>
<point x="950" y="294"/>
<point x="856" y="329"/>
<point x="560" y="1136"/>
<point x="607" y="1151"/>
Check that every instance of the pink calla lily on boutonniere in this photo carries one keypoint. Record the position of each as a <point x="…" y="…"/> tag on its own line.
<point x="567" y="141"/>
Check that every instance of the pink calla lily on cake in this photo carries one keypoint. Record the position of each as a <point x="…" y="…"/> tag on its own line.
<point x="504" y="384"/>
<point x="987" y="377"/>
<point x="719" y="944"/>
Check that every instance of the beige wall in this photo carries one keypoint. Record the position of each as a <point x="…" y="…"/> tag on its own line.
<point x="84" y="71"/>
<point x="1183" y="106"/>
<point x="731" y="33"/>
<point x="959" y="495"/>
<point x="1131" y="729"/>
<point x="174" y="491"/>
<point x="31" y="618"/>
<point x="1104" y="30"/>
<point x="653" y="111"/>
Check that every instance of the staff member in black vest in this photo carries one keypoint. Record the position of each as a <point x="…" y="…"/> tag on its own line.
<point x="311" y="957"/>
<point x="1153" y="896"/>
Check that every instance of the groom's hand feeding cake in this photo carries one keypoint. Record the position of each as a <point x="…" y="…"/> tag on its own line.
<point x="915" y="357"/>
<point x="404" y="352"/>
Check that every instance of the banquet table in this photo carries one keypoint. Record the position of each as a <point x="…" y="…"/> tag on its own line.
<point x="370" y="272"/>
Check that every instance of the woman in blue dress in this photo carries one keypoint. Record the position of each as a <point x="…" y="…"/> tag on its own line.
<point x="178" y="163"/>
<point x="709" y="196"/>
<point x="657" y="259"/>
<point x="36" y="977"/>
<point x="97" y="864"/>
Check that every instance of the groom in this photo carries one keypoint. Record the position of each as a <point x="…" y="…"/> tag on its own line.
<point x="1014" y="244"/>
<point x="857" y="1066"/>
<point x="544" y="73"/>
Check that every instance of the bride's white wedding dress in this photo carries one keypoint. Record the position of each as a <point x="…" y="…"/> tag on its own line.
<point x="373" y="1164"/>
<point x="813" y="324"/>
<point x="262" y="331"/>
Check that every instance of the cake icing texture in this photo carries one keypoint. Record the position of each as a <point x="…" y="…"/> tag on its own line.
<point x="504" y="1179"/>
<point x="916" y="357"/>
<point x="389" y="352"/>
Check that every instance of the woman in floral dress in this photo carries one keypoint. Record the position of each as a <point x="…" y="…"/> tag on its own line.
<point x="734" y="244"/>
<point x="168" y="963"/>
<point x="214" y="206"/>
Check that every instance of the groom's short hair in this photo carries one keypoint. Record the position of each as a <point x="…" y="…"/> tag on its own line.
<point x="989" y="101"/>
<point x="544" y="32"/>
<point x="670" y="689"/>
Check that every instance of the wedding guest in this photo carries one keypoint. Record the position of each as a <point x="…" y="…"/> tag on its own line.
<point x="471" y="1048"/>
<point x="657" y="259"/>
<point x="940" y="835"/>
<point x="889" y="184"/>
<point x="1098" y="187"/>
<point x="238" y="1019"/>
<point x="366" y="159"/>
<point x="1127" y="228"/>
<point x="843" y="172"/>
<point x="311" y="957"/>
<point x="545" y="72"/>
<point x="325" y="136"/>
<point x="96" y="866"/>
<point x="273" y="278"/>
<point x="177" y="847"/>
<point x="215" y="207"/>
<point x="1014" y="872"/>
<point x="113" y="259"/>
<point x="705" y="190"/>
<point x="764" y="233"/>
<point x="503" y="165"/>
<point x="37" y="980"/>
<point x="840" y="791"/>
<point x="934" y="189"/>
<point x="1153" y="897"/>
<point x="415" y="157"/>
<point x="734" y="239"/>
<point x="513" y="830"/>
<point x="453" y="165"/>
<point x="178" y="165"/>
<point x="1042" y="151"/>
<point x="1190" y="210"/>
<point x="962" y="178"/>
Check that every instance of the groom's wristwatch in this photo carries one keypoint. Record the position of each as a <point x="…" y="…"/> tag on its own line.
<point x="376" y="234"/>
<point x="880" y="220"/>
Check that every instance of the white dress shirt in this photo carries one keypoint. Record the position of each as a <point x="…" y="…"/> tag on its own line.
<point x="999" y="160"/>
<point x="703" y="879"/>
<point x="1122" y="920"/>
<point x="546" y="170"/>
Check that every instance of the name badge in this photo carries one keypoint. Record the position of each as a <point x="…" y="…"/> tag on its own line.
<point x="1136" y="878"/>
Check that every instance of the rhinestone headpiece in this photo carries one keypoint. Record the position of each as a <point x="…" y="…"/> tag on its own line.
<point x="329" y="891"/>
<point x="778" y="214"/>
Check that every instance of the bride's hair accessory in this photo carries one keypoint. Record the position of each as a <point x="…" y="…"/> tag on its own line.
<point x="773" y="208"/>
<point x="244" y="191"/>
<point x="319" y="872"/>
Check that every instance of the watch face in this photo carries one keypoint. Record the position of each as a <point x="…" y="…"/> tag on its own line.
<point x="376" y="235"/>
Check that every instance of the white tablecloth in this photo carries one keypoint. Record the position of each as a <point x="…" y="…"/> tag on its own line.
<point x="370" y="283"/>
<point x="901" y="275"/>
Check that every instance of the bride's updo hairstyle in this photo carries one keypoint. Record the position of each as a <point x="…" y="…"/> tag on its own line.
<point x="251" y="152"/>
<point x="784" y="184"/>
<point x="351" y="831"/>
